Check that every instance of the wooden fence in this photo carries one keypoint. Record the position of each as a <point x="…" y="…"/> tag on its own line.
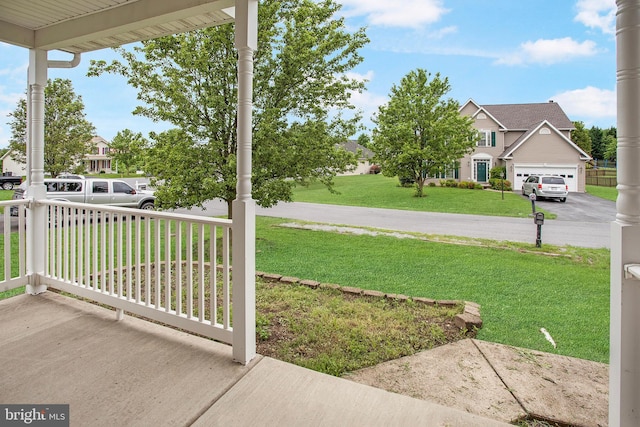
<point x="601" y="177"/>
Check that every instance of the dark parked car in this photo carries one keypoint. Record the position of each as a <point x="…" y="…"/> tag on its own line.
<point x="7" y="182"/>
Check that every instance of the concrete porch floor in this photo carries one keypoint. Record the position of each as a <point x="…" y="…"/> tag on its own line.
<point x="59" y="350"/>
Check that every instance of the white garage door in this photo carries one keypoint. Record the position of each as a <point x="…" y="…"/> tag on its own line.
<point x="569" y="173"/>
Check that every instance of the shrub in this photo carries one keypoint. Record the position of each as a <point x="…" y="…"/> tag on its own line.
<point x="497" y="172"/>
<point x="496" y="184"/>
<point x="406" y="181"/>
<point x="477" y="187"/>
<point x="432" y="184"/>
<point x="374" y="169"/>
<point x="443" y="183"/>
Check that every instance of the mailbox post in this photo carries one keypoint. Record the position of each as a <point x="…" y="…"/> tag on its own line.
<point x="538" y="219"/>
<point x="532" y="197"/>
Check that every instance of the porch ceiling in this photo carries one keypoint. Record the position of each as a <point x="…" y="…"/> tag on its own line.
<point x="78" y="26"/>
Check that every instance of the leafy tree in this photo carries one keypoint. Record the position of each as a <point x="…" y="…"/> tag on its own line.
<point x="127" y="150"/>
<point x="3" y="151"/>
<point x="301" y="89"/>
<point x="611" y="144"/>
<point x="419" y="133"/>
<point x="67" y="133"/>
<point x="581" y="137"/>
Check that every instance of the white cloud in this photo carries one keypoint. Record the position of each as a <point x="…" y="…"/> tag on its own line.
<point x="368" y="102"/>
<point x="440" y="33"/>
<point x="404" y="14"/>
<point x="367" y="77"/>
<point x="598" y="14"/>
<point x="590" y="102"/>
<point x="549" y="51"/>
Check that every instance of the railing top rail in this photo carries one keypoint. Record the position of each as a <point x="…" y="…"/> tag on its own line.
<point x="223" y="222"/>
<point x="14" y="202"/>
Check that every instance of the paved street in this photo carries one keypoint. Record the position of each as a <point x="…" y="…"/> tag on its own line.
<point x="573" y="226"/>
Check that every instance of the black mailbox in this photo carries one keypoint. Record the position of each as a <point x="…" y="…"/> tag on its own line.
<point x="539" y="218"/>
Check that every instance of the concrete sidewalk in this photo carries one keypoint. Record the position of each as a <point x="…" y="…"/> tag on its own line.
<point x="59" y="350"/>
<point x="500" y="382"/>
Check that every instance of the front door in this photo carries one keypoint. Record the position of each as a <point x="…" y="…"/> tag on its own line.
<point x="481" y="172"/>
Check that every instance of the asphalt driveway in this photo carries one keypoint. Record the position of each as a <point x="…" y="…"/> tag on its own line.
<point x="580" y="207"/>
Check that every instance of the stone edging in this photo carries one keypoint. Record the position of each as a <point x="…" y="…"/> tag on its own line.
<point x="469" y="319"/>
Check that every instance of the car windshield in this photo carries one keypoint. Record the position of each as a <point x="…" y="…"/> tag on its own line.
<point x="553" y="180"/>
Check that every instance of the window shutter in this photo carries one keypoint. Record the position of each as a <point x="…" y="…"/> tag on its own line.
<point x="493" y="139"/>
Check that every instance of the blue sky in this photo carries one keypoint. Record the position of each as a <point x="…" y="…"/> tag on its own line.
<point x="493" y="51"/>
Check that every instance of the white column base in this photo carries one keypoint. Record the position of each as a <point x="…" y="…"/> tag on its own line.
<point x="624" y="368"/>
<point x="244" y="280"/>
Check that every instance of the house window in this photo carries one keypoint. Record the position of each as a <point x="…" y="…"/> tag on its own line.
<point x="449" y="172"/>
<point x="487" y="138"/>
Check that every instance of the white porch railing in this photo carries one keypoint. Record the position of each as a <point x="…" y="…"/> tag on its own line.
<point x="171" y="268"/>
<point x="13" y="245"/>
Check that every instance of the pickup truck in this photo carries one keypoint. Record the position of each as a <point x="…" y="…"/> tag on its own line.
<point x="113" y="192"/>
<point x="8" y="182"/>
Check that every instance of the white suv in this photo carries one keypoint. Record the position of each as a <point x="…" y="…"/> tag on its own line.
<point x="546" y="186"/>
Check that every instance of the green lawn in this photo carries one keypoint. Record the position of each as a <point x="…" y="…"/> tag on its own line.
<point x="519" y="291"/>
<point x="609" y="193"/>
<point x="378" y="191"/>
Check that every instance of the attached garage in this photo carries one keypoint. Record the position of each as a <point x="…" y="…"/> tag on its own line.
<point x="568" y="172"/>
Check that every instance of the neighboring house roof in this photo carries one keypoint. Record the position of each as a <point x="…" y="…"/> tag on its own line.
<point x="96" y="139"/>
<point x="352" y="146"/>
<point x="525" y="116"/>
<point x="5" y="155"/>
<point x="508" y="153"/>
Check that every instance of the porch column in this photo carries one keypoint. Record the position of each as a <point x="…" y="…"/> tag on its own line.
<point x="37" y="81"/>
<point x="244" y="210"/>
<point x="624" y="370"/>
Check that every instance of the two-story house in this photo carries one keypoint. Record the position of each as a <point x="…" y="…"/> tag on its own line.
<point x="526" y="139"/>
<point x="98" y="160"/>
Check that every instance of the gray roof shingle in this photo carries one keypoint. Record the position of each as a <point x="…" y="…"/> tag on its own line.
<point x="525" y="116"/>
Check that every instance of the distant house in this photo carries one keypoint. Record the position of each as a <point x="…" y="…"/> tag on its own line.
<point x="12" y="167"/>
<point x="526" y="139"/>
<point x="99" y="159"/>
<point x="95" y="162"/>
<point x="364" y="157"/>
